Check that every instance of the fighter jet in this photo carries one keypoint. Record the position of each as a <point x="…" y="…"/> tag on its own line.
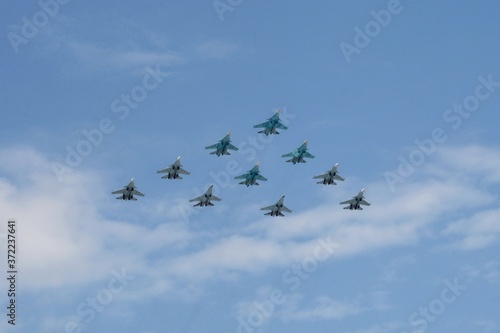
<point x="204" y="200"/>
<point x="356" y="202"/>
<point x="251" y="176"/>
<point x="298" y="155"/>
<point x="128" y="191"/>
<point x="272" y="124"/>
<point x="277" y="208"/>
<point x="222" y="146"/>
<point x="174" y="171"/>
<point x="329" y="177"/>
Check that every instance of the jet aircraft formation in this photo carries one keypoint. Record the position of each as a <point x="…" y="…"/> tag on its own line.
<point x="253" y="175"/>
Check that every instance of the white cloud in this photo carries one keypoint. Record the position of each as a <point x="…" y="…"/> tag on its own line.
<point x="381" y="328"/>
<point x="65" y="224"/>
<point x="323" y="308"/>
<point x="130" y="48"/>
<point x="483" y="162"/>
<point x="217" y="49"/>
<point x="487" y="326"/>
<point x="62" y="235"/>
<point x="476" y="232"/>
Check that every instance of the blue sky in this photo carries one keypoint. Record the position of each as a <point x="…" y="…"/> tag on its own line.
<point x="411" y="116"/>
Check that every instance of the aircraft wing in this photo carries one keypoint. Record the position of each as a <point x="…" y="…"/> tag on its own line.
<point x="287" y="155"/>
<point x="306" y="154"/>
<point x="347" y="202"/>
<point x="260" y="177"/>
<point x="324" y="175"/>
<point x="214" y="146"/>
<point x="338" y="177"/>
<point x="230" y="146"/>
<point x="363" y="202"/>
<point x="263" y="125"/>
<point x="119" y="191"/>
<point x="286" y="209"/>
<point x="281" y="126"/>
<point x="200" y="198"/>
<point x="244" y="176"/>
<point x="268" y="207"/>
<point x="214" y="198"/>
<point x="135" y="192"/>
<point x="167" y="170"/>
<point x="184" y="172"/>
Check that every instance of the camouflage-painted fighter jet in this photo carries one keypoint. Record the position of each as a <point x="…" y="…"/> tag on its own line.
<point x="298" y="155"/>
<point x="222" y="146"/>
<point x="251" y="177"/>
<point x="272" y="124"/>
